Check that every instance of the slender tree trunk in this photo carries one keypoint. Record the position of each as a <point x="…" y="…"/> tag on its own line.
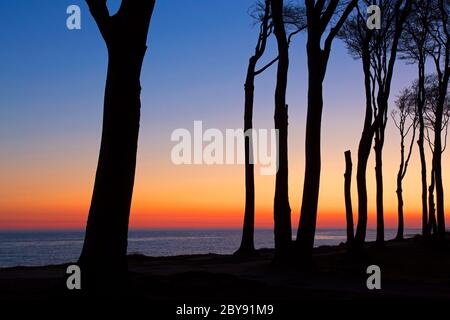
<point x="247" y="243"/>
<point x="365" y="145"/>
<point x="432" y="226"/>
<point x="420" y="143"/>
<point x="105" y="245"/>
<point x="401" y="224"/>
<point x="282" y="210"/>
<point x="437" y="163"/>
<point x="379" y="186"/>
<point x="399" y="191"/>
<point x="348" y="197"/>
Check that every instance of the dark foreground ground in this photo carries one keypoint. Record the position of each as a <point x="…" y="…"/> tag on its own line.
<point x="411" y="270"/>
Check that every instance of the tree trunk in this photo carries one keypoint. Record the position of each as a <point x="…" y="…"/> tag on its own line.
<point x="282" y="210"/>
<point x="308" y="216"/>
<point x="348" y="197"/>
<point x="365" y="145"/>
<point x="432" y="226"/>
<point x="379" y="186"/>
<point x="247" y="243"/>
<point x="420" y="142"/>
<point x="437" y="163"/>
<point x="400" y="229"/>
<point x="105" y="245"/>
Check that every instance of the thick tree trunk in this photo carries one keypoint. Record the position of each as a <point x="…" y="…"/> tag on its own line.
<point x="105" y="245"/>
<point x="282" y="210"/>
<point x="308" y="215"/>
<point x="348" y="197"/>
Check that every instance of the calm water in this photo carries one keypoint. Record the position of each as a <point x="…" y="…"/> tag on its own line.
<point x="42" y="248"/>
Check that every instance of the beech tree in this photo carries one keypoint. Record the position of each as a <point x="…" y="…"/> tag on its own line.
<point x="247" y="244"/>
<point x="294" y="22"/>
<point x="377" y="50"/>
<point x="320" y="16"/>
<point x="405" y="118"/>
<point x="431" y="112"/>
<point x="105" y="245"/>
<point x="413" y="48"/>
<point x="283" y="16"/>
<point x="439" y="51"/>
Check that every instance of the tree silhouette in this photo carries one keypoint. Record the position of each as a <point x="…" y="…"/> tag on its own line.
<point x="319" y="16"/>
<point x="105" y="244"/>
<point x="406" y="109"/>
<point x="430" y="115"/>
<point x="413" y="48"/>
<point x="439" y="50"/>
<point x="282" y="210"/>
<point x="358" y="39"/>
<point x="384" y="56"/>
<point x="377" y="50"/>
<point x="294" y="21"/>
<point x="247" y="243"/>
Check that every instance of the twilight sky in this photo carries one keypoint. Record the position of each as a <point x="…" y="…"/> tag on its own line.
<point x="51" y="95"/>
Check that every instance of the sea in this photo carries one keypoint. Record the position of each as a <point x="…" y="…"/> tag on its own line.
<point x="38" y="248"/>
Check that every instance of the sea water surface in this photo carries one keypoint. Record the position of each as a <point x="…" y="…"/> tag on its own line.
<point x="37" y="248"/>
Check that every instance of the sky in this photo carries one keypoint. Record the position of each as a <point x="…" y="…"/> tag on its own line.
<point x="51" y="96"/>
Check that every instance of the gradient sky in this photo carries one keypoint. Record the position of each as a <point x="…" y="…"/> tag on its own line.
<point x="51" y="96"/>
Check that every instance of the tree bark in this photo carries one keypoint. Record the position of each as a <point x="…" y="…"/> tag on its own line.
<point x="105" y="245"/>
<point x="282" y="210"/>
<point x="348" y="197"/>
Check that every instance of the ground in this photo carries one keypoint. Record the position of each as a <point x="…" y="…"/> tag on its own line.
<point x="410" y="270"/>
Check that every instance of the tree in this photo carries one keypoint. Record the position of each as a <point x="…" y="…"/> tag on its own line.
<point x="293" y="18"/>
<point x="413" y="48"/>
<point x="439" y="50"/>
<point x="105" y="245"/>
<point x="383" y="59"/>
<point x="430" y="115"/>
<point x="319" y="16"/>
<point x="358" y="39"/>
<point x="283" y="18"/>
<point x="405" y="118"/>
<point x="377" y="50"/>
<point x="282" y="210"/>
<point x="247" y="243"/>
